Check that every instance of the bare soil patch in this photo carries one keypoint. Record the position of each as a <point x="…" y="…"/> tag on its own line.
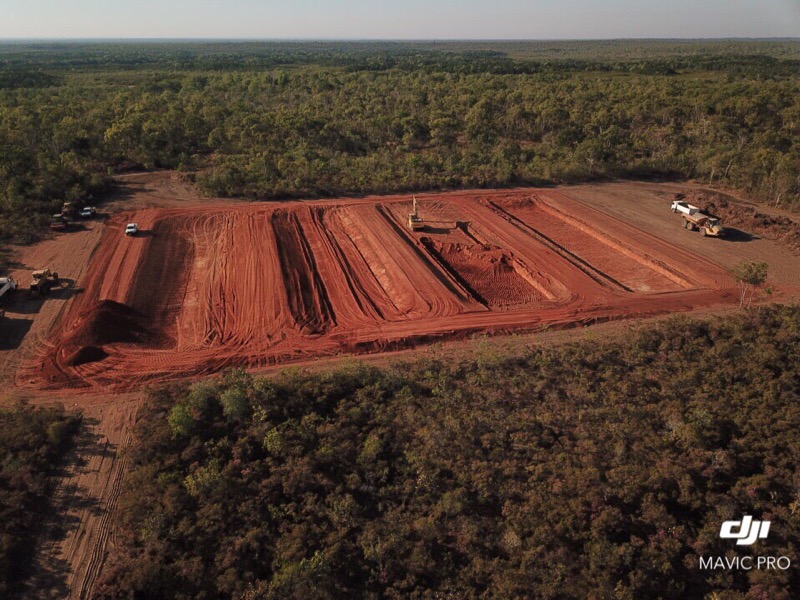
<point x="253" y="285"/>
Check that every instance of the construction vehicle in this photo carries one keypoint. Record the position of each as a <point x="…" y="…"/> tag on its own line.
<point x="415" y="222"/>
<point x="68" y="209"/>
<point x="59" y="222"/>
<point x="7" y="285"/>
<point x="42" y="281"/>
<point x="707" y="225"/>
<point x="684" y="207"/>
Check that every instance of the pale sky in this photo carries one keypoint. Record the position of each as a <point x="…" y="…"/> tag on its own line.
<point x="399" y="19"/>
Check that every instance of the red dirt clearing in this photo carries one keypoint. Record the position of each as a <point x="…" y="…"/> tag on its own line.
<point x="203" y="289"/>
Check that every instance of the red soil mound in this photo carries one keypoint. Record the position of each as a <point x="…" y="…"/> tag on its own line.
<point x="488" y="271"/>
<point x="107" y="322"/>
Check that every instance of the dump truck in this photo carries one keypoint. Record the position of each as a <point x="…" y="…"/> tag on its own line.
<point x="708" y="225"/>
<point x="59" y="222"/>
<point x="684" y="207"/>
<point x="42" y="281"/>
<point x="415" y="222"/>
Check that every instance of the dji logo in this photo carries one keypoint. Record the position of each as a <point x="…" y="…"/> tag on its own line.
<point x="745" y="532"/>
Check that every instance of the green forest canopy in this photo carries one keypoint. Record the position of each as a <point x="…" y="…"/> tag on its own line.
<point x="282" y="120"/>
<point x="591" y="470"/>
<point x="32" y="445"/>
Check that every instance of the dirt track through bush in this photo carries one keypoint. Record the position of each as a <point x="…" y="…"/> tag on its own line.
<point x="258" y="285"/>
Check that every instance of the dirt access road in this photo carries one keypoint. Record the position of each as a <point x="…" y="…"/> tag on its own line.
<point x="75" y="539"/>
<point x="216" y="283"/>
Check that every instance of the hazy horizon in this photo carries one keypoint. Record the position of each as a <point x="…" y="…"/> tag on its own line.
<point x="413" y="20"/>
<point x="386" y="39"/>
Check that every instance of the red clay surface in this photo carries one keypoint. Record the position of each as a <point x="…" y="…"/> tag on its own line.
<point x="203" y="289"/>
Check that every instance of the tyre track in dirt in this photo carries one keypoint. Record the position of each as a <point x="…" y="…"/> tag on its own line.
<point x="363" y="276"/>
<point x="353" y="303"/>
<point x="99" y="547"/>
<point x="365" y="235"/>
<point x="644" y="259"/>
<point x="308" y="296"/>
<point x="73" y="544"/>
<point x="599" y="276"/>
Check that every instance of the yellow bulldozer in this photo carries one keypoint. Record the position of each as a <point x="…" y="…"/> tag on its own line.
<point x="42" y="281"/>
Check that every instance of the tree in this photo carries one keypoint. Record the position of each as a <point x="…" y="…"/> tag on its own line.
<point x="180" y="420"/>
<point x="748" y="277"/>
<point x="235" y="406"/>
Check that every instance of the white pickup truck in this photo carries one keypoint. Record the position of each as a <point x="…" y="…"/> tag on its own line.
<point x="7" y="284"/>
<point x="684" y="207"/>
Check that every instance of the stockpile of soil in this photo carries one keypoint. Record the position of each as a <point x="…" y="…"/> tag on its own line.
<point x="108" y="322"/>
<point x="512" y="203"/>
<point x="778" y="228"/>
<point x="489" y="271"/>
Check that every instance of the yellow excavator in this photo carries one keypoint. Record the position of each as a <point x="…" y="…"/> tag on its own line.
<point x="415" y="222"/>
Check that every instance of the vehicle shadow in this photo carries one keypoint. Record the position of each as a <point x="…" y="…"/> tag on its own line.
<point x="13" y="331"/>
<point x="435" y="230"/>
<point x="65" y="291"/>
<point x="737" y="235"/>
<point x="25" y="302"/>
